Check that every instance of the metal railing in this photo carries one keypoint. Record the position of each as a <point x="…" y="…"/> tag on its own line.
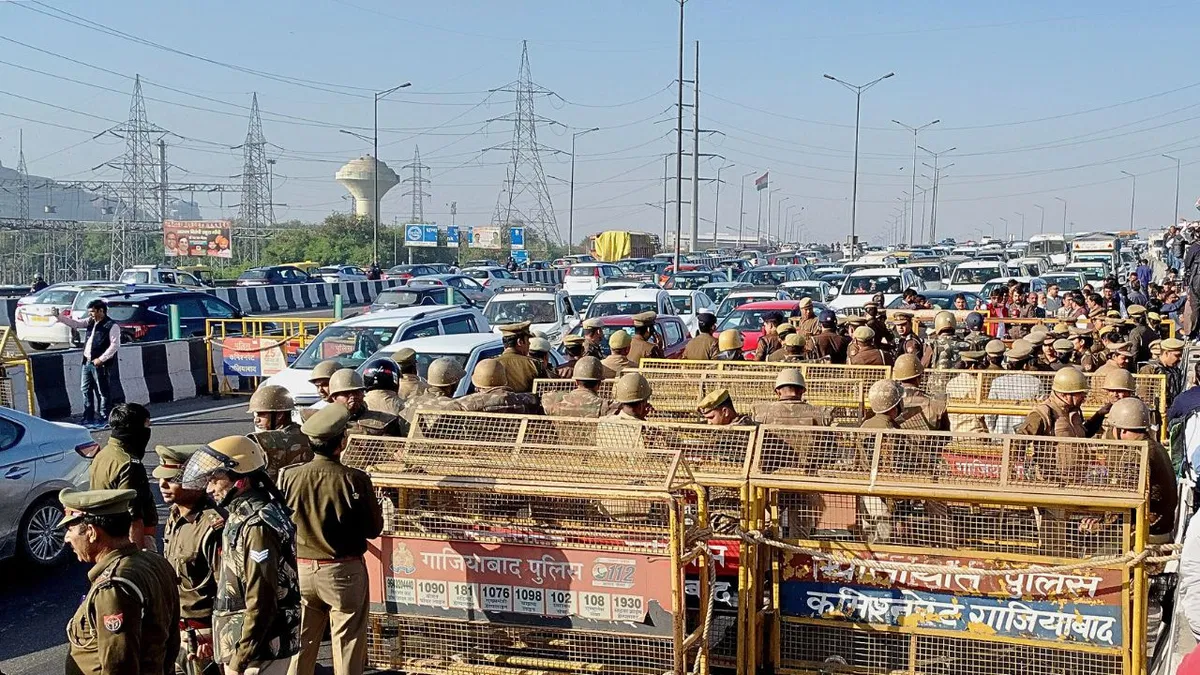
<point x="251" y="349"/>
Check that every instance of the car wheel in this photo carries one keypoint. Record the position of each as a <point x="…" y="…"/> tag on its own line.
<point x="39" y="540"/>
<point x="39" y="345"/>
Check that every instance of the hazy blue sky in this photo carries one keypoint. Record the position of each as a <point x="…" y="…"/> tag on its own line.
<point x="1041" y="100"/>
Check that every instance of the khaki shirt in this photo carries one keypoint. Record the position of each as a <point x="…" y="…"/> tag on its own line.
<point x="410" y="385"/>
<point x="384" y="401"/>
<point x="641" y="348"/>
<point x="283" y="447"/>
<point x="192" y="544"/>
<point x="334" y="509"/>
<point x="129" y="620"/>
<point x="432" y="399"/>
<point x="114" y="468"/>
<point x="578" y="402"/>
<point x="521" y="370"/>
<point x="829" y="345"/>
<point x="808" y="327"/>
<point x="767" y="345"/>
<point x="617" y="363"/>
<point x="703" y="347"/>
<point x="870" y="357"/>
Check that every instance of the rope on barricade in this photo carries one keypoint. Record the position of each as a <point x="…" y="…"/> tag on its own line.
<point x="275" y="345"/>
<point x="710" y="566"/>
<point x="1149" y="555"/>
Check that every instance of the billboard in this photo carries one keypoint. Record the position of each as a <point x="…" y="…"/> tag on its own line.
<point x="485" y="237"/>
<point x="252" y="356"/>
<point x="452" y="235"/>
<point x="200" y="238"/>
<point x="418" y="234"/>
<point x="516" y="238"/>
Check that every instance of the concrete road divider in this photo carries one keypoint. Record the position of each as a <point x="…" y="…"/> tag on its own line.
<point x="549" y="277"/>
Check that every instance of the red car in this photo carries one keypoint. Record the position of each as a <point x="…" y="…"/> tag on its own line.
<point x="670" y="271"/>
<point x="748" y="320"/>
<point x="672" y="329"/>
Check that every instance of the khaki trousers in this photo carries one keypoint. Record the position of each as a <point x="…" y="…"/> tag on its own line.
<point x="333" y="594"/>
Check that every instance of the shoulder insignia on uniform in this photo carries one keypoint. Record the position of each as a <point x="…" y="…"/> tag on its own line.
<point x="113" y="622"/>
<point x="259" y="556"/>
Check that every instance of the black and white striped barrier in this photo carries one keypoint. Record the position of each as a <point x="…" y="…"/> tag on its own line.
<point x="548" y="277"/>
<point x="151" y="372"/>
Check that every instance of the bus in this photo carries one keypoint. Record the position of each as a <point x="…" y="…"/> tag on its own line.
<point x="1052" y="246"/>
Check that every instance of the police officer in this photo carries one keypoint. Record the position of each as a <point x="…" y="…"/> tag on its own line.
<point x="1120" y="356"/>
<point x="1167" y="364"/>
<point x="717" y="409"/>
<point x="1119" y="385"/>
<point x="1130" y="421"/>
<point x="539" y="351"/>
<point x="381" y="377"/>
<point x="729" y="346"/>
<point x="1141" y="335"/>
<point x="792" y="352"/>
<point x="443" y="377"/>
<point x="618" y="360"/>
<point x="1085" y="358"/>
<point x="336" y="514"/>
<point x="645" y="340"/>
<point x="865" y="353"/>
<point x="128" y="621"/>
<point x="573" y="346"/>
<point x="320" y="379"/>
<point x="521" y="369"/>
<point x="877" y="321"/>
<point x="631" y="396"/>
<point x="920" y="411"/>
<point x="769" y="342"/>
<point x="994" y="352"/>
<point x="1020" y="356"/>
<point x="274" y="430"/>
<point x="593" y="338"/>
<point x="410" y="383"/>
<point x="492" y="393"/>
<point x="703" y="347"/>
<point x="884" y="397"/>
<point x="1060" y="414"/>
<point x="582" y="401"/>
<point x="975" y="338"/>
<point x="943" y="351"/>
<point x="790" y="408"/>
<point x="1061" y="354"/>
<point x="256" y="615"/>
<point x="829" y="345"/>
<point x="809" y="324"/>
<point x="192" y="544"/>
<point x="118" y="466"/>
<point x="347" y="387"/>
<point x="906" y="341"/>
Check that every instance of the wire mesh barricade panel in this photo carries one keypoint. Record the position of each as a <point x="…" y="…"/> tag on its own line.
<point x="1006" y="388"/>
<point x="828" y="371"/>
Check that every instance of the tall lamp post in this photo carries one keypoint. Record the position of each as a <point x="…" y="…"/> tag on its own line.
<point x="1042" y="224"/>
<point x="1175" y="216"/>
<point x="1005" y="221"/>
<point x="1022" y="224"/>
<point x="742" y="208"/>
<point x="778" y="218"/>
<point x="375" y="162"/>
<point x="915" y="131"/>
<point x="717" y="201"/>
<point x="1064" y="202"/>
<point x="785" y="223"/>
<point x="1132" y="197"/>
<point x="571" y="199"/>
<point x="858" y="92"/>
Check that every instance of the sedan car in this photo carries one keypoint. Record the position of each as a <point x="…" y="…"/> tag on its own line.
<point x="34" y="315"/>
<point x="145" y="316"/>
<point x="477" y="292"/>
<point x="274" y="275"/>
<point x="748" y="319"/>
<point x="817" y="291"/>
<point x="774" y="275"/>
<point x="749" y="294"/>
<point x="37" y="459"/>
<point x="413" y="296"/>
<point x="333" y="274"/>
<point x="687" y="304"/>
<point x="717" y="291"/>
<point x="409" y="271"/>
<point x="492" y="277"/>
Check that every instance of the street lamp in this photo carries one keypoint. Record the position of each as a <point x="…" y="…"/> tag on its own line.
<point x="742" y="207"/>
<point x="1175" y="216"/>
<point x="717" y="201"/>
<point x="1132" y="197"/>
<point x="375" y="163"/>
<point x="778" y="218"/>
<point x="1005" y="221"/>
<point x="858" y="91"/>
<point x="787" y="221"/>
<point x="915" y="131"/>
<point x="1064" y="215"/>
<point x="1022" y="224"/>
<point x="1042" y="224"/>
<point x="571" y="199"/>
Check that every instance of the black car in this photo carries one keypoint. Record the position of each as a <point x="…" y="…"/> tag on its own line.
<point x="273" y="275"/>
<point x="416" y="295"/>
<point x="145" y="317"/>
<point x="406" y="272"/>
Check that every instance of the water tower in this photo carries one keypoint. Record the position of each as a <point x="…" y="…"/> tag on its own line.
<point x="358" y="177"/>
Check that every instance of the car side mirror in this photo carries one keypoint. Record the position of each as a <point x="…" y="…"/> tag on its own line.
<point x="833" y="292"/>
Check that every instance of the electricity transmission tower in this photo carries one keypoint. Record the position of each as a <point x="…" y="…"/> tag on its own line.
<point x="416" y="183"/>
<point x="526" y="197"/>
<point x="142" y="194"/>
<point x="256" y="209"/>
<point x="23" y="185"/>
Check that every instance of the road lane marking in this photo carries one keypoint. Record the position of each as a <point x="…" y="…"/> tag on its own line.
<point x="197" y="413"/>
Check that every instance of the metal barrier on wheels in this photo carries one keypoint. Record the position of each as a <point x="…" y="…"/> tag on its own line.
<point x="883" y="558"/>
<point x="250" y="349"/>
<point x="14" y="358"/>
<point x="512" y="548"/>
<point x="867" y="374"/>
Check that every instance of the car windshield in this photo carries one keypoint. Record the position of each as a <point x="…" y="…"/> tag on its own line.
<point x="731" y="303"/>
<point x="476" y="274"/>
<point x="628" y="265"/>
<point x="499" y="312"/>
<point x="423" y="360"/>
<point x="583" y="271"/>
<point x="928" y="272"/>
<point x="765" y="277"/>
<point x="620" y="307"/>
<point x="350" y="345"/>
<point x="253" y="274"/>
<point x="56" y="296"/>
<point x="717" y="293"/>
<point x="393" y="299"/>
<point x="745" y="319"/>
<point x="801" y="292"/>
<point x="1093" y="273"/>
<point x="872" y="285"/>
<point x="974" y="275"/>
<point x="580" y="302"/>
<point x="650" y="267"/>
<point x="683" y="303"/>
<point x="135" y="277"/>
<point x="1066" y="282"/>
<point x="690" y="281"/>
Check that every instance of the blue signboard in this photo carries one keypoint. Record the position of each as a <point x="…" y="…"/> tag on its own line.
<point x="417" y="234"/>
<point x="516" y="238"/>
<point x="452" y="235"/>
<point x="521" y="257"/>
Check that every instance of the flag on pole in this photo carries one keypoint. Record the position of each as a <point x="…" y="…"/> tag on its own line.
<point x="760" y="183"/>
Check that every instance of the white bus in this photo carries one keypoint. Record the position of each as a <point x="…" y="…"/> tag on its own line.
<point x="1052" y="246"/>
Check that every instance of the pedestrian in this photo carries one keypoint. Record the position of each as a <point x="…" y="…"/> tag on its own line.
<point x="1168" y="364"/>
<point x="593" y="338"/>
<point x="101" y="376"/>
<point x="192" y="544"/>
<point x="1053" y="301"/>
<point x="256" y="616"/>
<point x="573" y="347"/>
<point x="274" y="430"/>
<point x="373" y="272"/>
<point x="128" y="621"/>
<point x="38" y="284"/>
<point x="865" y="354"/>
<point x="790" y="408"/>
<point x="118" y="466"/>
<point x="539" y="351"/>
<point x="829" y="345"/>
<point x="336" y="514"/>
<point x="1144" y="272"/>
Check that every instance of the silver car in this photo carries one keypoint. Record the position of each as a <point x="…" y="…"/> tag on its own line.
<point x="37" y="459"/>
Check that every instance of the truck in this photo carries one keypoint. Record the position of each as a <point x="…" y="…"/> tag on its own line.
<point x="1098" y="247"/>
<point x="615" y="245"/>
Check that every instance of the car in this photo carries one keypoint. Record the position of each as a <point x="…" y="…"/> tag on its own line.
<point x="443" y="268"/>
<point x="351" y="341"/>
<point x="826" y="269"/>
<point x="1035" y="284"/>
<point x="651" y="270"/>
<point x="159" y="274"/>
<point x="717" y="290"/>
<point x="37" y="459"/>
<point x="971" y="276"/>
<point x="34" y="320"/>
<point x="747" y="319"/>
<point x="1035" y="265"/>
<point x="630" y="301"/>
<point x="861" y="286"/>
<point x="669" y="271"/>
<point x="670" y="327"/>
<point x="416" y="296"/>
<point x="628" y="264"/>
<point x="333" y="274"/>
<point x="944" y="299"/>
<point x="692" y="280"/>
<point x="536" y="265"/>
<point x="774" y="275"/>
<point x="930" y="272"/>
<point x="468" y="349"/>
<point x="549" y="310"/>
<point x="687" y="303"/>
<point x="491" y="277"/>
<point x="817" y="291"/>
<point x="482" y="263"/>
<point x="625" y="282"/>
<point x="589" y="276"/>
<point x="741" y="296"/>
<point x="475" y="291"/>
<point x="1093" y="272"/>
<point x="274" y="275"/>
<point x="580" y="301"/>
<point x="1067" y="281"/>
<point x="145" y="316"/>
<point x="406" y="272"/>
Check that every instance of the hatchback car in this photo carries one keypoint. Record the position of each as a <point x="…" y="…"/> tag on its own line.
<point x="37" y="459"/>
<point x="34" y="319"/>
<point x="409" y="271"/>
<point x="742" y="296"/>
<point x="332" y="274"/>
<point x="491" y="277"/>
<point x="549" y="310"/>
<point x="773" y="275"/>
<point x="273" y="275"/>
<point x="674" y="333"/>
<point x="468" y="349"/>
<point x="146" y="317"/>
<point x="630" y="301"/>
<point x="415" y="296"/>
<point x="688" y="304"/>
<point x="589" y="276"/>
<point x="748" y="320"/>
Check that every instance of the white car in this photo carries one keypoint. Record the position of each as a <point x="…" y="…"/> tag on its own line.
<point x="491" y="277"/>
<point x="468" y="349"/>
<point x="333" y="274"/>
<point x="585" y="277"/>
<point x="550" y="310"/>
<point x="930" y="272"/>
<point x="1093" y="272"/>
<point x="353" y="340"/>
<point x="158" y="274"/>
<point x="861" y="286"/>
<point x="630" y="301"/>
<point x="34" y="319"/>
<point x="971" y="276"/>
<point x="1067" y="281"/>
<point x="817" y="291"/>
<point x="687" y="303"/>
<point x="741" y="296"/>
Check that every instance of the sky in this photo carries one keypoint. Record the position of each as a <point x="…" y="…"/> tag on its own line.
<point x="1042" y="103"/>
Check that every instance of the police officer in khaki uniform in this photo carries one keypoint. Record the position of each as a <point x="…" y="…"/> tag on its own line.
<point x="828" y="345"/>
<point x="631" y="397"/>
<point x="118" y="466"/>
<point x="410" y="383"/>
<point x="703" y="347"/>
<point x="1060" y="414"/>
<point x="593" y="338"/>
<point x="582" y="401"/>
<point x="885" y="398"/>
<point x="320" y="377"/>
<point x="1167" y="363"/>
<point x="645" y="343"/>
<point x="1085" y="358"/>
<point x="865" y="353"/>
<point x="1020" y="357"/>
<point x="443" y="377"/>
<point x="792" y="352"/>
<point x="1141" y="335"/>
<point x="1120" y="356"/>
<point x="877" y="321"/>
<point x="347" y="387"/>
<point x="619" y="342"/>
<point x="381" y="377"/>
<point x="790" y="409"/>
<point x="192" y="544"/>
<point x="274" y="430"/>
<point x="1063" y="352"/>
<point x="336" y="514"/>
<point x="492" y="393"/>
<point x="521" y="369"/>
<point x="907" y="342"/>
<point x="573" y="346"/>
<point x="1130" y="421"/>
<point x="994" y="353"/>
<point x="128" y="621"/>
<point x="920" y="410"/>
<point x="769" y="342"/>
<point x="1118" y="384"/>
<point x="717" y="409"/>
<point x="807" y="324"/>
<point x="729" y="345"/>
<point x="539" y="351"/>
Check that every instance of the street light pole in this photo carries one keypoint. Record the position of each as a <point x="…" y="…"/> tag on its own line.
<point x="1042" y="224"/>
<point x="1022" y="224"/>
<point x="742" y="208"/>
<point x="1005" y="221"/>
<point x="912" y="212"/>
<point x="1132" y="197"/>
<point x="858" y="92"/>
<point x="1175" y="216"/>
<point x="778" y="218"/>
<point x="1064" y="215"/>
<point x="717" y="201"/>
<point x="571" y="199"/>
<point x="785" y="223"/>
<point x="937" y="179"/>
<point x="770" y="193"/>
<point x="375" y="166"/>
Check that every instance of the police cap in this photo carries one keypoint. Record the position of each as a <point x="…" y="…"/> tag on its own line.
<point x="80" y="503"/>
<point x="327" y="423"/>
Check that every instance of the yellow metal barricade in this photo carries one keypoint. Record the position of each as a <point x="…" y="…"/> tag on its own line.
<point x="253" y="348"/>
<point x="924" y="552"/>
<point x="829" y="371"/>
<point x="526" y="550"/>
<point x="992" y="324"/>
<point x="13" y="358"/>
